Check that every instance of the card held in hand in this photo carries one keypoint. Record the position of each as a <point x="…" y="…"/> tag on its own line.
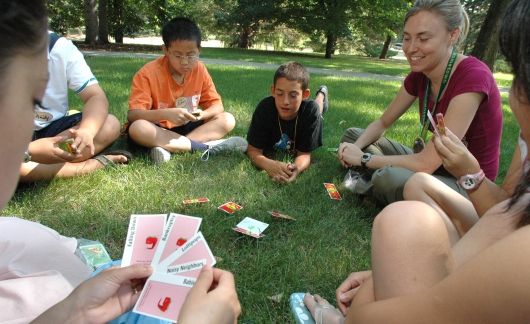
<point x="143" y="236"/>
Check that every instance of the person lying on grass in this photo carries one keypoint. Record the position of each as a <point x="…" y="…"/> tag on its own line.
<point x="287" y="123"/>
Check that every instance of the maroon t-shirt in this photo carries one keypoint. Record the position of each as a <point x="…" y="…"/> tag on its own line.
<point x="484" y="134"/>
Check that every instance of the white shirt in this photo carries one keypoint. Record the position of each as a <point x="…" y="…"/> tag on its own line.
<point x="67" y="70"/>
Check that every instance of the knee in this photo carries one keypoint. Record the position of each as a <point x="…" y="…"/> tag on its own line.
<point x="110" y="130"/>
<point x="140" y="129"/>
<point x="417" y="183"/>
<point x="409" y="223"/>
<point x="227" y="120"/>
<point x="351" y="135"/>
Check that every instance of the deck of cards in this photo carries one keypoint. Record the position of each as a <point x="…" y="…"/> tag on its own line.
<point x="176" y="250"/>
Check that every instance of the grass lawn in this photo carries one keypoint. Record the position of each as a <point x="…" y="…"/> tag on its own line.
<point x="315" y="253"/>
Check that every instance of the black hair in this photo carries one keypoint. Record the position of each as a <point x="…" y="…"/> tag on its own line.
<point x="293" y="71"/>
<point x="23" y="26"/>
<point x="181" y="28"/>
<point x="514" y="39"/>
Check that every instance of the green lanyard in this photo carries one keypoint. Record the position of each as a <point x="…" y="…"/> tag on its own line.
<point x="423" y="118"/>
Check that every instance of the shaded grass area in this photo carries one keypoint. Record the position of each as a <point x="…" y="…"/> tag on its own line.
<point x="315" y="253"/>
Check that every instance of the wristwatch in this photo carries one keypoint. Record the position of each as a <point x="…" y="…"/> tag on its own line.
<point x="365" y="158"/>
<point x="27" y="156"/>
<point x="471" y="181"/>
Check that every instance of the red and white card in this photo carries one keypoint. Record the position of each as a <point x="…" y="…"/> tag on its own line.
<point x="230" y="207"/>
<point x="163" y="295"/>
<point x="199" y="200"/>
<point x="178" y="230"/>
<point x="143" y="236"/>
<point x="332" y="191"/>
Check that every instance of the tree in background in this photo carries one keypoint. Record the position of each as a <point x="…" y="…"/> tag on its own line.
<point x="91" y="22"/>
<point x="487" y="44"/>
<point x="65" y="14"/>
<point x="103" y="23"/>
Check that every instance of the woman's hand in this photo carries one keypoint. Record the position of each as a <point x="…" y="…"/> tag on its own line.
<point x="213" y="299"/>
<point x="347" y="290"/>
<point x="349" y="155"/>
<point x="455" y="156"/>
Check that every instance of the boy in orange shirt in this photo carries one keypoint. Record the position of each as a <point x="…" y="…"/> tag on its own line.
<point x="166" y="94"/>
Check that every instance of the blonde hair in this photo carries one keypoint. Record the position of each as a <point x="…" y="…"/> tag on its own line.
<point x="451" y="11"/>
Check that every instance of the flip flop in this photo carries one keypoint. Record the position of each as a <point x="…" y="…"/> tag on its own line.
<point x="324" y="90"/>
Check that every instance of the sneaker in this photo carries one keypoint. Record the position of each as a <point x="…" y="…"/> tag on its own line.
<point x="324" y="90"/>
<point x="159" y="155"/>
<point x="232" y="144"/>
<point x="350" y="180"/>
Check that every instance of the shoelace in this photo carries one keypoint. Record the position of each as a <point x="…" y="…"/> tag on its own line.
<point x="206" y="154"/>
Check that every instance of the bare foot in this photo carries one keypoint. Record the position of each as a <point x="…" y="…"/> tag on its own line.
<point x="322" y="311"/>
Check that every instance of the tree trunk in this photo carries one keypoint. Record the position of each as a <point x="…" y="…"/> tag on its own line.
<point x="244" y="38"/>
<point x="103" y="34"/>
<point x="331" y="44"/>
<point x="487" y="45"/>
<point x="386" y="45"/>
<point x="117" y="21"/>
<point x="91" y="22"/>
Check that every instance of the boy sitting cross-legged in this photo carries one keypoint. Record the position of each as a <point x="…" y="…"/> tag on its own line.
<point x="166" y="94"/>
<point x="287" y="122"/>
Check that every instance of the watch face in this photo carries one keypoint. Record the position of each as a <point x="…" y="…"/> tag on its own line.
<point x="366" y="157"/>
<point x="468" y="183"/>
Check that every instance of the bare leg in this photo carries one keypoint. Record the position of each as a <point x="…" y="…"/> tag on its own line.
<point x="457" y="212"/>
<point x="410" y="249"/>
<point x="215" y="128"/>
<point x="150" y="135"/>
<point x="108" y="133"/>
<point x="31" y="171"/>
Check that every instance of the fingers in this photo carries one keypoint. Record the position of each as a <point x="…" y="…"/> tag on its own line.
<point x="203" y="283"/>
<point x="344" y="299"/>
<point x="122" y="275"/>
<point x="310" y="303"/>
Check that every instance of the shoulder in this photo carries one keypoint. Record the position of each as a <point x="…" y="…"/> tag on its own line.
<point x="266" y="106"/>
<point x="155" y="67"/>
<point x="473" y="67"/>
<point x="309" y="110"/>
<point x="473" y="75"/>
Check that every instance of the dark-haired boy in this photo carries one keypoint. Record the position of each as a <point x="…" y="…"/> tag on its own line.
<point x="166" y="95"/>
<point x="287" y="122"/>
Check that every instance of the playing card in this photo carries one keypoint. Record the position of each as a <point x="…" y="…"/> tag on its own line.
<point x="195" y="250"/>
<point x="229" y="207"/>
<point x="251" y="227"/>
<point x="163" y="295"/>
<point x="94" y="255"/>
<point x="195" y="201"/>
<point x="441" y="123"/>
<point x="142" y="237"/>
<point x="332" y="191"/>
<point x="178" y="230"/>
<point x="277" y="214"/>
<point x="433" y="124"/>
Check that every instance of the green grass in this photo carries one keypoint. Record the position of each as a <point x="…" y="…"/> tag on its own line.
<point x="315" y="253"/>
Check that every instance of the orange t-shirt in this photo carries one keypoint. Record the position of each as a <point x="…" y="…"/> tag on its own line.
<point x="154" y="88"/>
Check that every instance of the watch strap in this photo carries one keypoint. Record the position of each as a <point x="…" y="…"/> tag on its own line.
<point x="477" y="177"/>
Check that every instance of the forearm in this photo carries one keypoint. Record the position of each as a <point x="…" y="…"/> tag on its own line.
<point x="62" y="312"/>
<point x="213" y="110"/>
<point x="302" y="161"/>
<point x="154" y="115"/>
<point x="372" y="133"/>
<point x="486" y="196"/>
<point x="95" y="112"/>
<point x="257" y="158"/>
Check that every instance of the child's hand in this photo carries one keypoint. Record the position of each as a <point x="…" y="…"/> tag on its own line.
<point x="281" y="172"/>
<point x="179" y="116"/>
<point x="455" y="156"/>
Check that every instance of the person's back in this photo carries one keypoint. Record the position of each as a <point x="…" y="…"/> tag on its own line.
<point x="287" y="123"/>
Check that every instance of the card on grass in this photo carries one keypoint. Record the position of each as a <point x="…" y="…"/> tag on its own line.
<point x="251" y="227"/>
<point x="277" y="214"/>
<point x="229" y="207"/>
<point x="189" y="259"/>
<point x="163" y="295"/>
<point x="178" y="230"/>
<point x="332" y="191"/>
<point x="142" y="238"/>
<point x="195" y="201"/>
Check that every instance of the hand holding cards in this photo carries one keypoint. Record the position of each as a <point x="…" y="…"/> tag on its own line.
<point x="176" y="251"/>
